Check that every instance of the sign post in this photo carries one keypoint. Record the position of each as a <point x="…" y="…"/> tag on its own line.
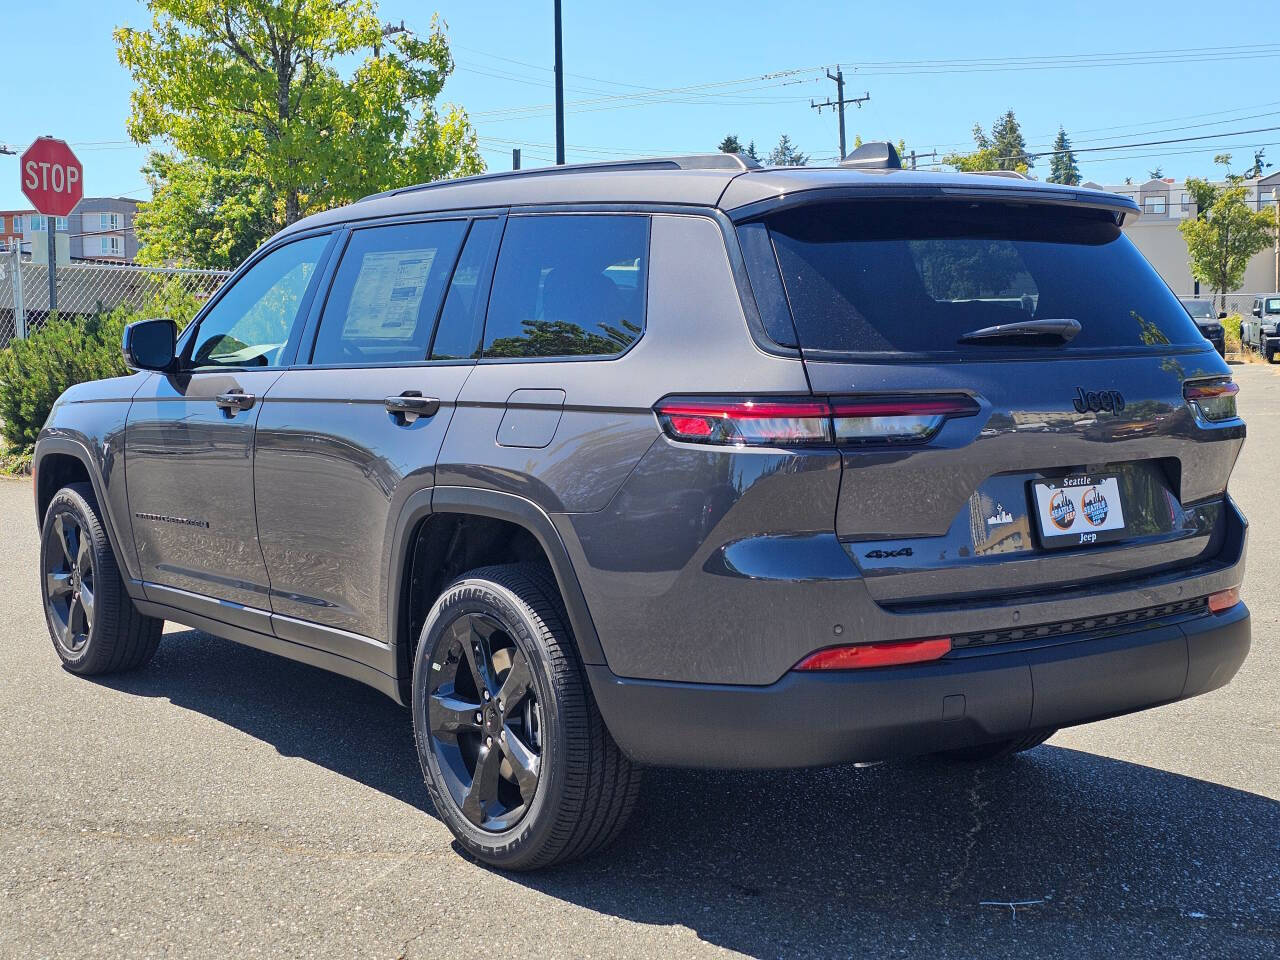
<point x="53" y="180"/>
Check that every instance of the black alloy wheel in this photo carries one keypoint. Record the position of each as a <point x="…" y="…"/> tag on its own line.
<point x="94" y="624"/>
<point x="485" y="722"/>
<point x="69" y="582"/>
<point x="516" y="757"/>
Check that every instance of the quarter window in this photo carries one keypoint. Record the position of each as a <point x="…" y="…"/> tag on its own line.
<point x="250" y="324"/>
<point x="568" y="285"/>
<point x="386" y="293"/>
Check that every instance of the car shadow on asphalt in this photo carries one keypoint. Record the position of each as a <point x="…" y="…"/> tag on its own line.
<point x="916" y="857"/>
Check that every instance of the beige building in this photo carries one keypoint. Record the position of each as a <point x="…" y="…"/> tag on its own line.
<point x="1165" y="204"/>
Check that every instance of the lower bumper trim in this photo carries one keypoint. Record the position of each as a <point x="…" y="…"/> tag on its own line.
<point x="816" y="719"/>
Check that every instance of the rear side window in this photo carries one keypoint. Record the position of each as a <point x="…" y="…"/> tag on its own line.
<point x="913" y="277"/>
<point x="386" y="293"/>
<point x="568" y="285"/>
<point x="458" y="335"/>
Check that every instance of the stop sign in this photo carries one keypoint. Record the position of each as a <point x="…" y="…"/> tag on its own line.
<point x="52" y="178"/>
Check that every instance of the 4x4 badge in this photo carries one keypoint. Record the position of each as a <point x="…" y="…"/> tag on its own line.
<point x="888" y="554"/>
<point x="1111" y="401"/>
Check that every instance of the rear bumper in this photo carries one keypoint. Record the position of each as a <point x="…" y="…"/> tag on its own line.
<point x="815" y="719"/>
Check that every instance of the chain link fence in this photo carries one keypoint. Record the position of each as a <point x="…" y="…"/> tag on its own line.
<point x="88" y="287"/>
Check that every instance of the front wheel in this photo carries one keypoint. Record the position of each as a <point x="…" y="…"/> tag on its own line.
<point x="93" y="623"/>
<point x="516" y="757"/>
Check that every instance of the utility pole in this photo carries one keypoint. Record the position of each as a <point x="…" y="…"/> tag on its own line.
<point x="839" y="102"/>
<point x="515" y="158"/>
<point x="912" y="157"/>
<point x="559" y="91"/>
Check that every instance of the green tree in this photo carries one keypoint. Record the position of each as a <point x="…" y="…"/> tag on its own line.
<point x="255" y="86"/>
<point x="1223" y="238"/>
<point x="1062" y="166"/>
<point x="751" y="151"/>
<point x="1203" y="193"/>
<point x="786" y="154"/>
<point x="1155" y="174"/>
<point x="730" y="144"/>
<point x="1011" y="147"/>
<point x="1005" y="149"/>
<point x="201" y="216"/>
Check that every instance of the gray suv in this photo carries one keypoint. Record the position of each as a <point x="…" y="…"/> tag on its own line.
<point x="672" y="462"/>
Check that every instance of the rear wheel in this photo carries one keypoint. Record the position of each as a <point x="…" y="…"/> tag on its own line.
<point x="516" y="757"/>
<point x="1271" y="354"/>
<point x="1000" y="750"/>
<point x="92" y="620"/>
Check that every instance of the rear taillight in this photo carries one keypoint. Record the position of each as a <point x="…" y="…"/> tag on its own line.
<point x="892" y="654"/>
<point x="1213" y="399"/>
<point x="897" y="420"/>
<point x="780" y="422"/>
<point x="1224" y="600"/>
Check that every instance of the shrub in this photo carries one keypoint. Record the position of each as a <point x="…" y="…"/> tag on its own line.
<point x="1231" y="332"/>
<point x="63" y="352"/>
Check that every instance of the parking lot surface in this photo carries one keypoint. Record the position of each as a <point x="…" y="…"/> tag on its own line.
<point x="223" y="802"/>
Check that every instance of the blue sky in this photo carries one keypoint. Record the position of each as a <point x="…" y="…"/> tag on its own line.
<point x="744" y="68"/>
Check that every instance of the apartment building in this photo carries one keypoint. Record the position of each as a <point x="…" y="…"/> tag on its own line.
<point x="1165" y="204"/>
<point x="102" y="229"/>
<point x="15" y="223"/>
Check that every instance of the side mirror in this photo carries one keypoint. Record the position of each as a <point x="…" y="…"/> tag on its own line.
<point x="150" y="344"/>
<point x="1257" y="311"/>
<point x="1222" y="315"/>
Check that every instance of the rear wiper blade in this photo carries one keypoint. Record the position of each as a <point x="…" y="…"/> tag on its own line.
<point x="1026" y="331"/>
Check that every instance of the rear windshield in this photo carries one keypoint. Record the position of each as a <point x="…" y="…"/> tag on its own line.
<point x="913" y="277"/>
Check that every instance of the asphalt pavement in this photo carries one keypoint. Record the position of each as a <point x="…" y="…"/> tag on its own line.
<point x="223" y="802"/>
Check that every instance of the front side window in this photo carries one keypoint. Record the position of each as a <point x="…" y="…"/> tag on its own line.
<point x="890" y="277"/>
<point x="568" y="285"/>
<point x="386" y="293"/>
<point x="250" y="324"/>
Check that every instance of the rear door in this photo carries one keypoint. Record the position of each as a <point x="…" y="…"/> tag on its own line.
<point x="190" y="434"/>
<point x="1057" y="451"/>
<point x="355" y="428"/>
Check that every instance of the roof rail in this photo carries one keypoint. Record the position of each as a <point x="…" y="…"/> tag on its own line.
<point x="729" y="162"/>
<point x="875" y="155"/>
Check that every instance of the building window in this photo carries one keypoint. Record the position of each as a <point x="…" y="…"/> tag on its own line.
<point x="1155" y="204"/>
<point x="35" y="221"/>
<point x="109" y="221"/>
<point x="1265" y="199"/>
<point x="110" y="246"/>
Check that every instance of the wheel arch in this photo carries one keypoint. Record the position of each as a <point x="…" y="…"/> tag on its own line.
<point x="60" y="461"/>
<point x="454" y="505"/>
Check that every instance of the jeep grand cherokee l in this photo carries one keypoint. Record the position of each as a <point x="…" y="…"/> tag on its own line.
<point x="683" y="462"/>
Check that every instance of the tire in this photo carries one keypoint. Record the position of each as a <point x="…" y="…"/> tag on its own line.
<point x="538" y="780"/>
<point x="1271" y="355"/>
<point x="104" y="633"/>
<point x="1000" y="750"/>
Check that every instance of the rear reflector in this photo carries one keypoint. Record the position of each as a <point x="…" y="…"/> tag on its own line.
<point x="1224" y="600"/>
<point x="1214" y="399"/>
<point x="876" y="654"/>
<point x="782" y="422"/>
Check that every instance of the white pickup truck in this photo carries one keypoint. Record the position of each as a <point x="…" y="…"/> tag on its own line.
<point x="1261" y="332"/>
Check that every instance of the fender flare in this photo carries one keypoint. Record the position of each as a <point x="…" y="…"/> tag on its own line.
<point x="74" y="448"/>
<point x="500" y="506"/>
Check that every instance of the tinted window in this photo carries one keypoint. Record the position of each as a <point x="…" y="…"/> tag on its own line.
<point x="250" y="323"/>
<point x="458" y="335"/>
<point x="569" y="285"/>
<point x="386" y="293"/>
<point x="1273" y="305"/>
<point x="882" y="276"/>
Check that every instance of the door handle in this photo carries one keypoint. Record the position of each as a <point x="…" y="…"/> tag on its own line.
<point x="235" y="400"/>
<point x="411" y="405"/>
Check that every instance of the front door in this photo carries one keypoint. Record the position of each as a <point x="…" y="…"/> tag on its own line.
<point x="189" y="439"/>
<point x="354" y="428"/>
